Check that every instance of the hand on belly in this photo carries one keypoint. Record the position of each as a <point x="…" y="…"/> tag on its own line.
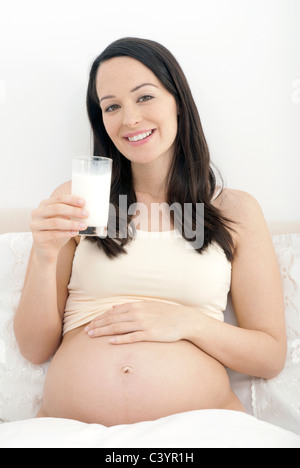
<point x="142" y="321"/>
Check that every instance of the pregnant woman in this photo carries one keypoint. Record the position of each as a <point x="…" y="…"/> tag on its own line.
<point x="135" y="322"/>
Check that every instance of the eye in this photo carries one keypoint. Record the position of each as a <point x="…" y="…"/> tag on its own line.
<point x="145" y="98"/>
<point x="112" y="108"/>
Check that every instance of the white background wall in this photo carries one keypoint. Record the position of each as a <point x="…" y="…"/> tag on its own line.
<point x="242" y="59"/>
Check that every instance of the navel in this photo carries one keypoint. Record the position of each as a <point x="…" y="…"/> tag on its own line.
<point x="127" y="370"/>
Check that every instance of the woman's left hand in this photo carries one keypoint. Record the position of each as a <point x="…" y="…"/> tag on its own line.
<point x="141" y="321"/>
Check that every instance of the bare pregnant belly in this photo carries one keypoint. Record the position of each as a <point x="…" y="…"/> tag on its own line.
<point x="93" y="381"/>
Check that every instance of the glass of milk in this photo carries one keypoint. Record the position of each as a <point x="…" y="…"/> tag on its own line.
<point x="91" y="180"/>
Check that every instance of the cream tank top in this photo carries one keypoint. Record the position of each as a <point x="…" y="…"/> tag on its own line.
<point x="158" y="266"/>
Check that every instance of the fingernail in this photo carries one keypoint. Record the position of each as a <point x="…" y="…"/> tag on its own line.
<point x="91" y="333"/>
<point x="87" y="329"/>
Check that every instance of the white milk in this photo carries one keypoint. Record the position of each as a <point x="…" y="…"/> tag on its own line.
<point x="95" y="190"/>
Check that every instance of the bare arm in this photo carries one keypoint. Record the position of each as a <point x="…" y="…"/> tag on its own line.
<point x="258" y="346"/>
<point x="39" y="316"/>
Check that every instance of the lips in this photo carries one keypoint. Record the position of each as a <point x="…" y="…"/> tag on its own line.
<point x="140" y="136"/>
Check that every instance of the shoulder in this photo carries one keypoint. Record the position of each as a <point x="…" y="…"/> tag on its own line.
<point x="65" y="188"/>
<point x="237" y="204"/>
<point x="233" y="199"/>
<point x="245" y="212"/>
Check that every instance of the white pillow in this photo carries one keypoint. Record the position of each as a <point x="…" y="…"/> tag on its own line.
<point x="21" y="383"/>
<point x="277" y="401"/>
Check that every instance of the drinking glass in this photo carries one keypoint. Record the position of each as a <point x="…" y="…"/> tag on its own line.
<point x="91" y="180"/>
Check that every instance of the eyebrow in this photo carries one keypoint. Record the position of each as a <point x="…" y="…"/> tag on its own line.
<point x="132" y="91"/>
<point x="140" y="86"/>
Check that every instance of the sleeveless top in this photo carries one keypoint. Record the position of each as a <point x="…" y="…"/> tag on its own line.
<point x="158" y="266"/>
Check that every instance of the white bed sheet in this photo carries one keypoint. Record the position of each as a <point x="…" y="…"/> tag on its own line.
<point x="195" y="429"/>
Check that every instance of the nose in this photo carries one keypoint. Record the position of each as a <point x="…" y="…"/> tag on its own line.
<point x="131" y="116"/>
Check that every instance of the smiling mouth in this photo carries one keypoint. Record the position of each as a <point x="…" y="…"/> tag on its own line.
<point x="140" y="137"/>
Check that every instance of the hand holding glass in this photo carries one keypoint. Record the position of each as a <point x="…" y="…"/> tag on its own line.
<point x="91" y="180"/>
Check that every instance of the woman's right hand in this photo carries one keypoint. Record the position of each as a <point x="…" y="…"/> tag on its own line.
<point x="53" y="225"/>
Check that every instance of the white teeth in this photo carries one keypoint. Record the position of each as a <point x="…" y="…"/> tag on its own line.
<point x="142" y="136"/>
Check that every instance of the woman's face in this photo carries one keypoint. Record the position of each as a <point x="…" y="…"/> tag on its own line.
<point x="139" y="114"/>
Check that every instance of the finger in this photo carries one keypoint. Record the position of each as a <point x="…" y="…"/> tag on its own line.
<point x="135" y="337"/>
<point x="58" y="224"/>
<point x="114" y="315"/>
<point x="110" y="320"/>
<point x="56" y="235"/>
<point x="64" y="210"/>
<point x="114" y="329"/>
<point x="65" y="199"/>
<point x="112" y="312"/>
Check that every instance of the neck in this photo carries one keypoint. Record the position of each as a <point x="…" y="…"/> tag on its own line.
<point x="152" y="186"/>
<point x="151" y="179"/>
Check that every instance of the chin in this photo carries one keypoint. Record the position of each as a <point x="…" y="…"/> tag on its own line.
<point x="144" y="158"/>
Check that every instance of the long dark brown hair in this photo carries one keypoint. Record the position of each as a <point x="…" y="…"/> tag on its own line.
<point x="191" y="179"/>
